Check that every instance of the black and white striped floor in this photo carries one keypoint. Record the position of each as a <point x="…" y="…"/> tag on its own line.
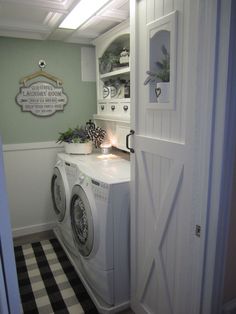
<point x="48" y="282"/>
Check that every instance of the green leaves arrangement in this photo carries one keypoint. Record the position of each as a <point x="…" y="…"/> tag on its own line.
<point x="83" y="134"/>
<point x="163" y="74"/>
<point x="76" y="135"/>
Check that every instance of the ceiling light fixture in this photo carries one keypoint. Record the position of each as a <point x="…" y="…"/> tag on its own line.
<point x="82" y="12"/>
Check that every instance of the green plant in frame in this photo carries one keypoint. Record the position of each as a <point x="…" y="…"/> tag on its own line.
<point x="163" y="73"/>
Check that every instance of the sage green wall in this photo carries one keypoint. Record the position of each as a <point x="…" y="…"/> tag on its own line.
<point x="18" y="58"/>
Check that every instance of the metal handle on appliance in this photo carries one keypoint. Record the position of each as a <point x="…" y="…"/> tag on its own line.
<point x="102" y="107"/>
<point x="125" y="107"/>
<point x="127" y="141"/>
<point x="113" y="107"/>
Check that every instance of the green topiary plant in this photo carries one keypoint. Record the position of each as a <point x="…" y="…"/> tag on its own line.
<point x="76" y="135"/>
<point x="83" y="134"/>
<point x="163" y="74"/>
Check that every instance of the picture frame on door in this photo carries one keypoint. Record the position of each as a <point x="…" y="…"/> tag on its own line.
<point x="160" y="83"/>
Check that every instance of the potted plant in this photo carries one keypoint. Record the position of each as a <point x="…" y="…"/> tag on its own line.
<point x="161" y="77"/>
<point x="76" y="141"/>
<point x="80" y="139"/>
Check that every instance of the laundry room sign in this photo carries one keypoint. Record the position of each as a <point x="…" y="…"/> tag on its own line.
<point x="42" y="98"/>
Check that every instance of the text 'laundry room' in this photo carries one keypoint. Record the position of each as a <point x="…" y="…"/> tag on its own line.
<point x="117" y="157"/>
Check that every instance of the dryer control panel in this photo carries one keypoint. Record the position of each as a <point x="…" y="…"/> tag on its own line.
<point x="100" y="190"/>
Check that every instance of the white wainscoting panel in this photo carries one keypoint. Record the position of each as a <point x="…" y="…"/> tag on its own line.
<point x="28" y="169"/>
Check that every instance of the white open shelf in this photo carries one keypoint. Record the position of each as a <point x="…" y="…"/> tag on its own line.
<point x="123" y="70"/>
<point x="115" y="118"/>
<point x="113" y="100"/>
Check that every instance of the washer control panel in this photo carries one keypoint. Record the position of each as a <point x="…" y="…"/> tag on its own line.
<point x="71" y="172"/>
<point x="100" y="190"/>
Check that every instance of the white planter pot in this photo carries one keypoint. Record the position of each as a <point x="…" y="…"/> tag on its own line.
<point x="78" y="148"/>
<point x="163" y="92"/>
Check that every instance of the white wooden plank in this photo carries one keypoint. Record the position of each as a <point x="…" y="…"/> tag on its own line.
<point x="171" y="250"/>
<point x="177" y="116"/>
<point x="150" y="13"/>
<point x="170" y="240"/>
<point x="156" y="184"/>
<point x="142" y="42"/>
<point x="159" y="8"/>
<point x="166" y="125"/>
<point x="150" y="120"/>
<point x="146" y="221"/>
<point x="168" y="6"/>
<point x="161" y="147"/>
<point x="164" y="178"/>
<point x="141" y="233"/>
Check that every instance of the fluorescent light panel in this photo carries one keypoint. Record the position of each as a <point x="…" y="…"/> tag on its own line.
<point x="82" y="12"/>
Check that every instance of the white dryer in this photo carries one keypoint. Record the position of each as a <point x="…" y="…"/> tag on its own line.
<point x="99" y="210"/>
<point x="62" y="182"/>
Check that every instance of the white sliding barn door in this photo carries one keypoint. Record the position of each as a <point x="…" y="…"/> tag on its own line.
<point x="164" y="213"/>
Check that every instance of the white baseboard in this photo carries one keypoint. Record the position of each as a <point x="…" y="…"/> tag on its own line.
<point x="18" y="232"/>
<point x="229" y="307"/>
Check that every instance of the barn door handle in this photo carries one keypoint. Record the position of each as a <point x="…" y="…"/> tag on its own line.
<point x="127" y="141"/>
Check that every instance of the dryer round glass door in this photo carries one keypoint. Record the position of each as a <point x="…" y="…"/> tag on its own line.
<point x="81" y="221"/>
<point x="58" y="194"/>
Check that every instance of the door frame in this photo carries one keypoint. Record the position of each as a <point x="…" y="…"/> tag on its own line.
<point x="10" y="289"/>
<point x="133" y="92"/>
<point x="222" y="161"/>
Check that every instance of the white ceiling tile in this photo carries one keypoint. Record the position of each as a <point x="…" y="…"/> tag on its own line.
<point x="21" y="13"/>
<point x="52" y="19"/>
<point x="39" y="19"/>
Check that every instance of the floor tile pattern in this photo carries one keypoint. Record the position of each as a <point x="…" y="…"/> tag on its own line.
<point x="48" y="282"/>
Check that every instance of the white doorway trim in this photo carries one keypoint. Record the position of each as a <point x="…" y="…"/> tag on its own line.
<point x="222" y="152"/>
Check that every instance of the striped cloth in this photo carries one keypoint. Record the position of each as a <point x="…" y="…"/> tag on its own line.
<point x="48" y="282"/>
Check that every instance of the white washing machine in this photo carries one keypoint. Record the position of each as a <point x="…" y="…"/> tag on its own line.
<point x="99" y="210"/>
<point x="61" y="185"/>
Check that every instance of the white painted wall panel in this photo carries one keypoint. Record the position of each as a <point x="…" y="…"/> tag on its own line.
<point x="28" y="175"/>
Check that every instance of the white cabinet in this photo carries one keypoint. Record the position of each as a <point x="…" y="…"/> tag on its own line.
<point x="113" y="83"/>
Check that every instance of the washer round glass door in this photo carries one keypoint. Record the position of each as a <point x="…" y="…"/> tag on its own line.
<point x="58" y="194"/>
<point x="81" y="221"/>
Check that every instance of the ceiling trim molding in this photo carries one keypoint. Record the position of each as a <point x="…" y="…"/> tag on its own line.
<point x="79" y="40"/>
<point x="11" y="26"/>
<point x="114" y="14"/>
<point x="22" y="35"/>
<point x="52" y="19"/>
<point x="60" y="6"/>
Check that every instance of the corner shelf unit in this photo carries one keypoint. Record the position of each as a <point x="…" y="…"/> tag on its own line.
<point x="113" y="107"/>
